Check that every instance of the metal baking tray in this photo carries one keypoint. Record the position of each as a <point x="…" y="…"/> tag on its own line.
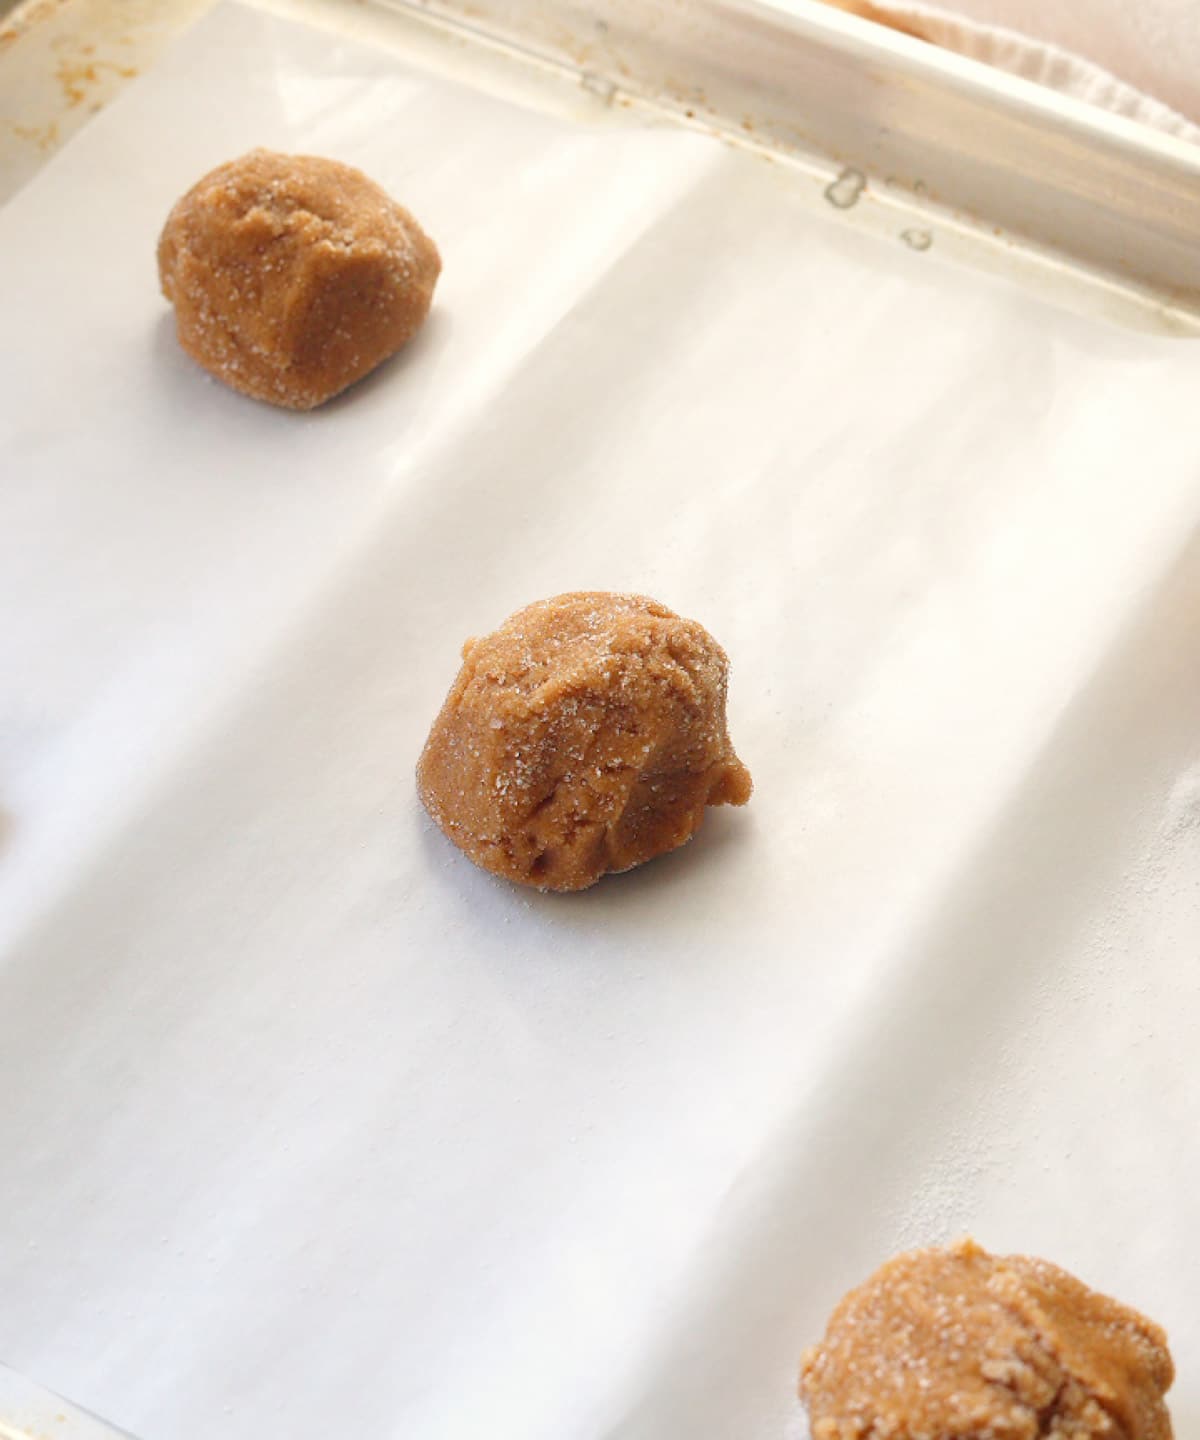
<point x="999" y="165"/>
<point x="932" y="130"/>
<point x="27" y="1412"/>
<point x="924" y="941"/>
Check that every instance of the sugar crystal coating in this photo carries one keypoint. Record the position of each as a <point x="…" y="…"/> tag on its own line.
<point x="957" y="1344"/>
<point x="292" y="276"/>
<point x="586" y="735"/>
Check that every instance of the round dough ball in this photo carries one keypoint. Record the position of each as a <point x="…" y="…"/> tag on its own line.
<point x="957" y="1344"/>
<point x="292" y="277"/>
<point x="585" y="736"/>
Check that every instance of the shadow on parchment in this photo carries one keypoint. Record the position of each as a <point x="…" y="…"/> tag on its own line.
<point x="693" y="867"/>
<point x="188" y="384"/>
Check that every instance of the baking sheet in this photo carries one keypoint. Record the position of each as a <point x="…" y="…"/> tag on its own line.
<point x="29" y="1412"/>
<point x="311" y="1128"/>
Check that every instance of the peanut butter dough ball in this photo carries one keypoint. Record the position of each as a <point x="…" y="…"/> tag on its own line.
<point x="957" y="1344"/>
<point x="586" y="735"/>
<point x="292" y="277"/>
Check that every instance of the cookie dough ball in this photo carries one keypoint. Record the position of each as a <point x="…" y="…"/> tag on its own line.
<point x="586" y="735"/>
<point x="957" y="1344"/>
<point x="292" y="277"/>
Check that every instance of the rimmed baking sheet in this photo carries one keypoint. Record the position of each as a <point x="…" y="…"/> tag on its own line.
<point x="310" y="1127"/>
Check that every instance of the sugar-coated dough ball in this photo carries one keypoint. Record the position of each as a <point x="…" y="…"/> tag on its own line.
<point x="957" y="1344"/>
<point x="292" y="277"/>
<point x="586" y="735"/>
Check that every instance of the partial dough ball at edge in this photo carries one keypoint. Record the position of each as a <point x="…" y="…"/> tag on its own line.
<point x="954" y="1343"/>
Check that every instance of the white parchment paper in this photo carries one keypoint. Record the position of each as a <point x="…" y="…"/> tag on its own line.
<point x="308" y="1127"/>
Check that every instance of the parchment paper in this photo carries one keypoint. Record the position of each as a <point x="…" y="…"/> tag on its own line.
<point x="308" y="1127"/>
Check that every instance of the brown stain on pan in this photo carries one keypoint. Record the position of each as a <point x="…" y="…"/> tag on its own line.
<point x="78" y="78"/>
<point x="45" y="137"/>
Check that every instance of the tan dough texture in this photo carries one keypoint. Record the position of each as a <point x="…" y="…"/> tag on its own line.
<point x="292" y="277"/>
<point x="584" y="736"/>
<point x="957" y="1344"/>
